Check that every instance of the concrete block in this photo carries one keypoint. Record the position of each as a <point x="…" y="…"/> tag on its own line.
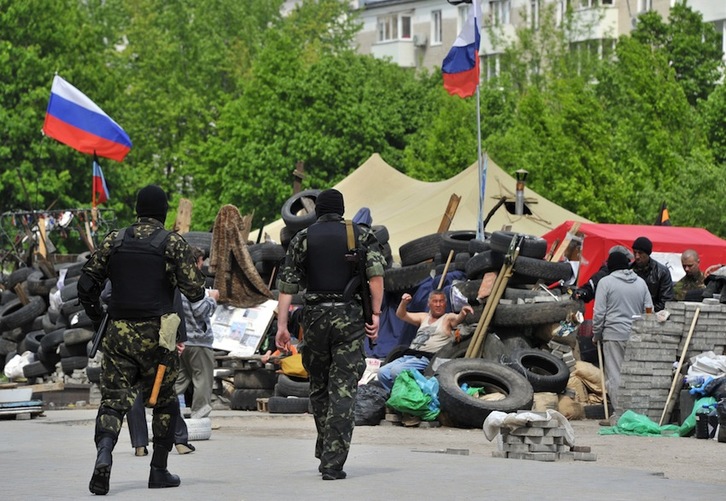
<point x="500" y="454"/>
<point x="527" y="431"/>
<point x="585" y="456"/>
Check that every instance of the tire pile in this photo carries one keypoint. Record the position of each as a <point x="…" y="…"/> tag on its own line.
<point x="512" y="368"/>
<point x="52" y="325"/>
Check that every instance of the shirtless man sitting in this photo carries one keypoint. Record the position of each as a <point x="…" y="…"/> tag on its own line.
<point x="435" y="328"/>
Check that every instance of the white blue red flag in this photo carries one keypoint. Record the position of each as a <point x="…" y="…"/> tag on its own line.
<point x="461" y="65"/>
<point x="73" y="119"/>
<point x="100" y="190"/>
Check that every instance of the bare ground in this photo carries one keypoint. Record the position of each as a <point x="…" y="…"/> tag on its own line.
<point x="675" y="458"/>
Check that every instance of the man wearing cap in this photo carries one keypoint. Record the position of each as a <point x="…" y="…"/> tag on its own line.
<point x="333" y="325"/>
<point x="618" y="297"/>
<point x="656" y="275"/>
<point x="145" y="264"/>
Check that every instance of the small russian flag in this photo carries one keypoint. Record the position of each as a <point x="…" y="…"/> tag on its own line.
<point x="73" y="119"/>
<point x="100" y="190"/>
<point x="461" y="65"/>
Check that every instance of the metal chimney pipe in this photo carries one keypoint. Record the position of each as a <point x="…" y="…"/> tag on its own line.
<point x="521" y="176"/>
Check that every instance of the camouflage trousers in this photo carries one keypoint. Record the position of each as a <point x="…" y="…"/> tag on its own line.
<point x="131" y="355"/>
<point x="334" y="357"/>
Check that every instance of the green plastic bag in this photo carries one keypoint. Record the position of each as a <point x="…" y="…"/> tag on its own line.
<point x="632" y="423"/>
<point x="408" y="397"/>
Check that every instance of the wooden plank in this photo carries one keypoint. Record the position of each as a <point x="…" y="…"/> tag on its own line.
<point x="43" y="387"/>
<point x="183" y="221"/>
<point x="42" y="249"/>
<point x="565" y="242"/>
<point x="20" y="292"/>
<point x="449" y="214"/>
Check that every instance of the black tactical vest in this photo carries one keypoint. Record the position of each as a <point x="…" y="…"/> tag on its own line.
<point x="137" y="269"/>
<point x="327" y="269"/>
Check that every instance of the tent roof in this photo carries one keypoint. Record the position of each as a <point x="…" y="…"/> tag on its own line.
<point x="411" y="209"/>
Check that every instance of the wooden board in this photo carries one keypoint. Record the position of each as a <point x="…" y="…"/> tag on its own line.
<point x="183" y="220"/>
<point x="565" y="242"/>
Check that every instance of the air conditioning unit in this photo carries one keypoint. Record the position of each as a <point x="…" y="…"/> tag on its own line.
<point x="420" y="40"/>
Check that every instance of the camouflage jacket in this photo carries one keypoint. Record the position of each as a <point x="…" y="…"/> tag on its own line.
<point x="181" y="269"/>
<point x="292" y="278"/>
<point x="688" y="283"/>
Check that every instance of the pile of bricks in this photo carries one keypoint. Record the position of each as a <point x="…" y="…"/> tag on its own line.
<point x="653" y="347"/>
<point x="539" y="440"/>
<point x="564" y="352"/>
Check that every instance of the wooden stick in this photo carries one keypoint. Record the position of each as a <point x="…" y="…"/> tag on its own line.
<point x="565" y="242"/>
<point x="446" y="269"/>
<point x="602" y="379"/>
<point x="680" y="364"/>
<point x="160" y="370"/>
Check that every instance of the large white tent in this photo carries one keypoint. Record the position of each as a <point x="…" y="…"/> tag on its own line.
<point x="411" y="209"/>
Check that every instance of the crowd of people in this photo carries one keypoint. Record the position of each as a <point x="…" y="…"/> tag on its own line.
<point x="165" y="299"/>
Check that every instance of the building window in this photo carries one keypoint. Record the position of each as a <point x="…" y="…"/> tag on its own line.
<point x="645" y="5"/>
<point x="490" y="67"/>
<point x="534" y="13"/>
<point x="394" y="27"/>
<point x="463" y="13"/>
<point x="586" y="4"/>
<point x="499" y="12"/>
<point x="406" y="31"/>
<point x="436" y="31"/>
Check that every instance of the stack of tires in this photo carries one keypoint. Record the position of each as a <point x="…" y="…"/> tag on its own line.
<point x="251" y="383"/>
<point x="52" y="325"/>
<point x="291" y="396"/>
<point x="509" y="387"/>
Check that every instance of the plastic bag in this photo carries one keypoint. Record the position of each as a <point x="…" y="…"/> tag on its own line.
<point x="370" y="404"/>
<point x="14" y="367"/>
<point x="632" y="423"/>
<point x="409" y="397"/>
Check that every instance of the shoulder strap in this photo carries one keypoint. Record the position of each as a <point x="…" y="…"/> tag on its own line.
<point x="160" y="237"/>
<point x="350" y="233"/>
<point x="119" y="238"/>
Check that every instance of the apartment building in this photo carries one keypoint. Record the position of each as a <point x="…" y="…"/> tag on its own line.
<point x="419" y="33"/>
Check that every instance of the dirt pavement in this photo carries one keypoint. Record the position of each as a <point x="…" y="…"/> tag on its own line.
<point x="259" y="456"/>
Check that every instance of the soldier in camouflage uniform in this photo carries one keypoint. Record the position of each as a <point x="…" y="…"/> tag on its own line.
<point x="145" y="264"/>
<point x="334" y="330"/>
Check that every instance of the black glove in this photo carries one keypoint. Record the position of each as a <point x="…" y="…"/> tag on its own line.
<point x="95" y="312"/>
<point x="583" y="294"/>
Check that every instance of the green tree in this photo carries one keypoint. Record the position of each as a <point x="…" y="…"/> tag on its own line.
<point x="693" y="47"/>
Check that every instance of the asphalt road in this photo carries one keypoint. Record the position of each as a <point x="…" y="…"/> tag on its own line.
<point x="259" y="456"/>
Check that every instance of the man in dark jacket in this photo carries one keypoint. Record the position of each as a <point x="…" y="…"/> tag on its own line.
<point x="656" y="275"/>
<point x="145" y="263"/>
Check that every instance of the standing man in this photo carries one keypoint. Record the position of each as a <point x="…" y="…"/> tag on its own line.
<point x="197" y="359"/>
<point x="693" y="281"/>
<point x="333" y="325"/>
<point x="618" y="297"/>
<point x="656" y="275"/>
<point x="435" y="329"/>
<point x="144" y="263"/>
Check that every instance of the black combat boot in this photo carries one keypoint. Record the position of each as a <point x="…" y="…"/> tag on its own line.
<point x="159" y="477"/>
<point x="102" y="469"/>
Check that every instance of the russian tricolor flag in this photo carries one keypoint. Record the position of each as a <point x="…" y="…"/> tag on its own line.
<point x="461" y="65"/>
<point x="78" y="122"/>
<point x="100" y="190"/>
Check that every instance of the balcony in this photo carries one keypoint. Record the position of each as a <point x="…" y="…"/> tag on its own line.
<point x="401" y="52"/>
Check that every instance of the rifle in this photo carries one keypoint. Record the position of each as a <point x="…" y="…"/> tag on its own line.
<point x="98" y="336"/>
<point x="359" y="283"/>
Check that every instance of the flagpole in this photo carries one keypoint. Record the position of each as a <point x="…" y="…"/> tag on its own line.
<point x="93" y="194"/>
<point x="481" y="160"/>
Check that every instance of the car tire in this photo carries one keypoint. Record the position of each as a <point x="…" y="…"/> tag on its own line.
<point x="544" y="371"/>
<point x="468" y="411"/>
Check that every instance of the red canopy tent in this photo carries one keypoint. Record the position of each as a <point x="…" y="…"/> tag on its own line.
<point x="597" y="239"/>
